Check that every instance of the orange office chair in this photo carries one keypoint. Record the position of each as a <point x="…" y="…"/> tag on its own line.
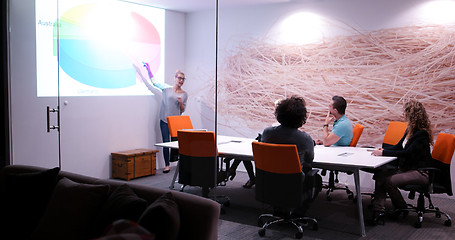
<point x="393" y="134"/>
<point x="440" y="180"/>
<point x="356" y="133"/>
<point x="281" y="183"/>
<point x="198" y="158"/>
<point x="333" y="175"/>
<point x="199" y="161"/>
<point x="176" y="123"/>
<point x="395" y="131"/>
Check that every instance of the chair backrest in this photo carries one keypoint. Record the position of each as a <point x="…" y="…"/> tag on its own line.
<point x="198" y="158"/>
<point x="197" y="143"/>
<point x="394" y="133"/>
<point x="279" y="178"/>
<point x="277" y="158"/>
<point x="442" y="154"/>
<point x="176" y="123"/>
<point x="444" y="147"/>
<point x="356" y="133"/>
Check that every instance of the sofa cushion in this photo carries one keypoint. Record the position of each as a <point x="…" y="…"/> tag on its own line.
<point x="126" y="229"/>
<point x="71" y="210"/>
<point x="162" y="217"/>
<point x="25" y="198"/>
<point x="122" y="203"/>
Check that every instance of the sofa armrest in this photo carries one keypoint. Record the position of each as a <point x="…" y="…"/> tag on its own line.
<point x="198" y="216"/>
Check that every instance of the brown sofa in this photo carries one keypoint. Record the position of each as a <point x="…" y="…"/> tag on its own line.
<point x="197" y="217"/>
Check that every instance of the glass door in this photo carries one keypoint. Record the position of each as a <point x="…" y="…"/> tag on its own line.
<point x="33" y="141"/>
<point x="105" y="104"/>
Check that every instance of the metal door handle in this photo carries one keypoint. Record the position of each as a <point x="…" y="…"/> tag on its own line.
<point x="49" y="110"/>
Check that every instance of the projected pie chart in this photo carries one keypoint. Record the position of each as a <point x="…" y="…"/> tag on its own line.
<point x="97" y="45"/>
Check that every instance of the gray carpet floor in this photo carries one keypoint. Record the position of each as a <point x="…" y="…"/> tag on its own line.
<point x="337" y="219"/>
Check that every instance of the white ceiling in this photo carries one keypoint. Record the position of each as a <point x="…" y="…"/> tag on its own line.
<point x="197" y="5"/>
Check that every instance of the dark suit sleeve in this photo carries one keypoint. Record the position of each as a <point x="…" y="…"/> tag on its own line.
<point x="417" y="143"/>
<point x="415" y="154"/>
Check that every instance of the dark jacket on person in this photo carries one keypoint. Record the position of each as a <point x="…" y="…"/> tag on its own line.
<point x="415" y="154"/>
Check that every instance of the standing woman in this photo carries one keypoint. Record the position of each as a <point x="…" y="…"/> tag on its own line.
<point x="413" y="152"/>
<point x="173" y="103"/>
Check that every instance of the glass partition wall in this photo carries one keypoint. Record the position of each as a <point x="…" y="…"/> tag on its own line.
<point x="239" y="60"/>
<point x="106" y="105"/>
<point x="113" y="106"/>
<point x="83" y="60"/>
<point x="272" y="50"/>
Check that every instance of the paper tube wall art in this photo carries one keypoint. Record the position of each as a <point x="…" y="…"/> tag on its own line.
<point x="375" y="71"/>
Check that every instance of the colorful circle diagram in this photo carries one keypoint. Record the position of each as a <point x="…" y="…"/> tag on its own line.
<point x="97" y="44"/>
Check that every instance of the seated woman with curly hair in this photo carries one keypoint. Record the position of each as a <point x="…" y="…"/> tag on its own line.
<point x="413" y="152"/>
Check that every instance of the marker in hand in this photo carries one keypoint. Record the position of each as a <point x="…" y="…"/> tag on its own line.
<point x="146" y="65"/>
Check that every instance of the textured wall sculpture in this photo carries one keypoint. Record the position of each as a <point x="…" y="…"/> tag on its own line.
<point x="375" y="71"/>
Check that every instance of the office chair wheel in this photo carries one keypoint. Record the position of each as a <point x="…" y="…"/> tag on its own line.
<point x="298" y="235"/>
<point x="329" y="198"/>
<point x="418" y="224"/>
<point x="350" y="194"/>
<point x="315" y="226"/>
<point x="437" y="215"/>
<point x="227" y="204"/>
<point x="448" y="222"/>
<point x="261" y="232"/>
<point x="405" y="214"/>
<point x="260" y="223"/>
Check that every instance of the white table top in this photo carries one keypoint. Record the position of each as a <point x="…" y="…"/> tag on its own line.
<point x="339" y="157"/>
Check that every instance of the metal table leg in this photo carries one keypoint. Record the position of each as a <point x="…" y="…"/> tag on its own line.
<point x="359" y="202"/>
<point x="176" y="173"/>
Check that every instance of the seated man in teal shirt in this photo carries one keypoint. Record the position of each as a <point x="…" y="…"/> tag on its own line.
<point x="341" y="134"/>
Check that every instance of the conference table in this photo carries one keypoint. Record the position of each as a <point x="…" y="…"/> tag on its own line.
<point x="346" y="159"/>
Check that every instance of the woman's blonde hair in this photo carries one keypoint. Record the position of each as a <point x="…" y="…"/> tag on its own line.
<point x="417" y="117"/>
<point x="179" y="72"/>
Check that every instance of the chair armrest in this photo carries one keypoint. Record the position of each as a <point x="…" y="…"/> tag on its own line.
<point x="428" y="169"/>
<point x="431" y="171"/>
<point x="312" y="172"/>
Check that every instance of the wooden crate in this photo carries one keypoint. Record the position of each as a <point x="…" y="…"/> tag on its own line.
<point x="133" y="163"/>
